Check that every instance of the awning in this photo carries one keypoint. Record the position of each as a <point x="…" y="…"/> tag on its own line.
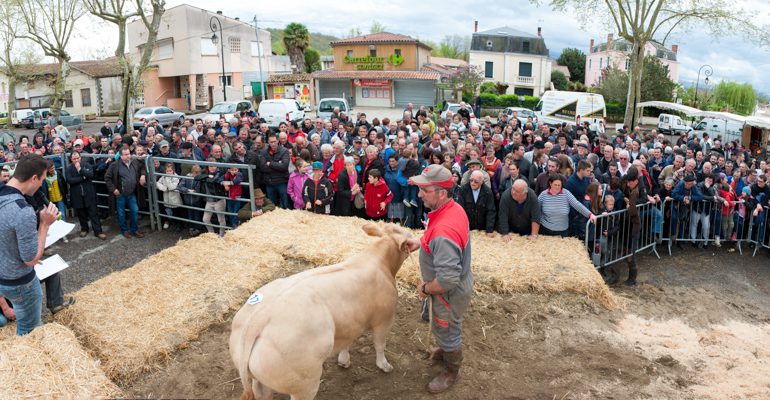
<point x="665" y="105"/>
<point x="722" y="115"/>
<point x="759" y="122"/>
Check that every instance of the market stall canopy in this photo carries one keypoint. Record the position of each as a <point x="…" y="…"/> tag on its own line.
<point x="759" y="122"/>
<point x="665" y="105"/>
<point x="722" y="115"/>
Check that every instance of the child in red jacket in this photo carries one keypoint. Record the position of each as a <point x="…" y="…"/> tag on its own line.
<point x="377" y="195"/>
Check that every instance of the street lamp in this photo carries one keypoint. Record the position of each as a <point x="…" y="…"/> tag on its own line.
<point x="707" y="73"/>
<point x="214" y="24"/>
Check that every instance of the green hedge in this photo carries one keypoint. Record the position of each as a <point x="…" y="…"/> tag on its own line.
<point x="615" y="109"/>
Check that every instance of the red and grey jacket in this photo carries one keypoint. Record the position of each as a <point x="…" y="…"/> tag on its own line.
<point x="445" y="248"/>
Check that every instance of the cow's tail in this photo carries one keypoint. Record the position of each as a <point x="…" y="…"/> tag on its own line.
<point x="251" y="335"/>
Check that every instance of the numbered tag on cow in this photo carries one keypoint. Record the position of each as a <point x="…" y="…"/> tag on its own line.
<point x="254" y="298"/>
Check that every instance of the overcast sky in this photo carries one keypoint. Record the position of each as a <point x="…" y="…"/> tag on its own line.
<point x="731" y="57"/>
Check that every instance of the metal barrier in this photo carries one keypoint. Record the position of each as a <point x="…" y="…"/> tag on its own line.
<point x="154" y="175"/>
<point x="759" y="236"/>
<point x="611" y="238"/>
<point x="702" y="222"/>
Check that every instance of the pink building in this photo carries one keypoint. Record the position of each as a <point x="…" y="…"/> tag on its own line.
<point x="615" y="53"/>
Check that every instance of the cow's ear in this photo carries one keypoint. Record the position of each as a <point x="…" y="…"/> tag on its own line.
<point x="409" y="245"/>
<point x="372" y="230"/>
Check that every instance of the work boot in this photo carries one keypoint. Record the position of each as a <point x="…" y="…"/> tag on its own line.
<point x="445" y="380"/>
<point x="436" y="355"/>
<point x="632" y="271"/>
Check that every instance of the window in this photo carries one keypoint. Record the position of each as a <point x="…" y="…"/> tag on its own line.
<point x="525" y="47"/>
<point x="601" y="60"/>
<point x="235" y="44"/>
<point x="372" y="51"/>
<point x="525" y="69"/>
<point x="256" y="49"/>
<point x="350" y="53"/>
<point x="165" y="49"/>
<point x="589" y="64"/>
<point x="488" y="67"/>
<point x="68" y="99"/>
<point x="85" y="97"/>
<point x="489" y="45"/>
<point x="628" y="64"/>
<point x="208" y="48"/>
<point x="228" y="79"/>
<point x="397" y="51"/>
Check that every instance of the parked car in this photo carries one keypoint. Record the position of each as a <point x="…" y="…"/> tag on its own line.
<point x="39" y="119"/>
<point x="280" y="110"/>
<point x="226" y="109"/>
<point x="728" y="129"/>
<point x="326" y="107"/>
<point x="3" y="119"/>
<point x="672" y="124"/>
<point x="164" y="115"/>
<point x="18" y="115"/>
<point x="556" y="107"/>
<point x="453" y="107"/>
<point x="522" y="114"/>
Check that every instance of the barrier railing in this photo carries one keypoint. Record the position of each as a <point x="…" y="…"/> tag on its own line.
<point x="759" y="236"/>
<point x="612" y="237"/>
<point x="703" y="222"/>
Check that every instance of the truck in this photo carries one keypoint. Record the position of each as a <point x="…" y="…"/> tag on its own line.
<point x="557" y="107"/>
<point x="672" y="125"/>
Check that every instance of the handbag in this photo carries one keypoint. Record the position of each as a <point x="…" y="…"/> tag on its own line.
<point x="358" y="201"/>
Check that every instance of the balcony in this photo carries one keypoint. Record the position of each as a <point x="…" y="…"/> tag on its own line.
<point x="525" y="80"/>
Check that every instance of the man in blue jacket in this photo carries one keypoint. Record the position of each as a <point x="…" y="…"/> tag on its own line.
<point x="685" y="193"/>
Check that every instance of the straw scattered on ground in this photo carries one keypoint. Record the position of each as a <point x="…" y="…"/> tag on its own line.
<point x="546" y="265"/>
<point x="135" y="319"/>
<point x="50" y="363"/>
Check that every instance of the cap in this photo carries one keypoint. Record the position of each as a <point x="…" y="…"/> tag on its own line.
<point x="555" y="150"/>
<point x="539" y="145"/>
<point x="231" y="134"/>
<point x="143" y="142"/>
<point x="186" y="145"/>
<point x="434" y="175"/>
<point x="689" y="178"/>
<point x="473" y="162"/>
<point x="583" y="145"/>
<point x="78" y="143"/>
<point x="746" y="190"/>
<point x="163" y="143"/>
<point x="258" y="194"/>
<point x="318" y="165"/>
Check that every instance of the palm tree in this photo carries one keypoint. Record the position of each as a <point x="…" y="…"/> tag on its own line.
<point x="296" y="39"/>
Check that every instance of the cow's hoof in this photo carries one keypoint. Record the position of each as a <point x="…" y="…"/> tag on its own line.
<point x="343" y="365"/>
<point x="385" y="366"/>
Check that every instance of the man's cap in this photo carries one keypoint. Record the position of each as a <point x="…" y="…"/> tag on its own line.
<point x="231" y="134"/>
<point x="318" y="165"/>
<point x="78" y="143"/>
<point x="163" y="143"/>
<point x="583" y="145"/>
<point x="258" y="194"/>
<point x="555" y="150"/>
<point x="473" y="162"/>
<point x="143" y="142"/>
<point x="539" y="144"/>
<point x="689" y="178"/>
<point x="186" y="145"/>
<point x="357" y="139"/>
<point x="434" y="175"/>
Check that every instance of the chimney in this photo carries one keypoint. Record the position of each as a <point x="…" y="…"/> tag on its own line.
<point x="675" y="48"/>
<point x="475" y="26"/>
<point x="591" y="47"/>
<point x="539" y="32"/>
<point x="219" y="12"/>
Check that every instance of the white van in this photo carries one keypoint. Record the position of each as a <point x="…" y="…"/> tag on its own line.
<point x="729" y="130"/>
<point x="326" y="107"/>
<point x="556" y="107"/>
<point x="18" y="115"/>
<point x="672" y="125"/>
<point x="280" y="110"/>
<point x="226" y="109"/>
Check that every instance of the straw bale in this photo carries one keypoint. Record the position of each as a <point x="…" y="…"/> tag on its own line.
<point x="546" y="265"/>
<point x="134" y="319"/>
<point x="50" y="363"/>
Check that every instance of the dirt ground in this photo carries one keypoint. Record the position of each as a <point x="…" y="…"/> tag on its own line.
<point x="695" y="327"/>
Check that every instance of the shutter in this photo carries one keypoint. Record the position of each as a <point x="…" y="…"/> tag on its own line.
<point x="334" y="88"/>
<point x="419" y="93"/>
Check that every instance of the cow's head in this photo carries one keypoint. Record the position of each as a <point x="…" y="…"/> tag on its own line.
<point x="403" y="242"/>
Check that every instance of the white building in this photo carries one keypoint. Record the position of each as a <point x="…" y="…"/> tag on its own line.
<point x="516" y="58"/>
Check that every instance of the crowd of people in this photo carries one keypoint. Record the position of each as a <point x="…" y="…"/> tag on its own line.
<point x="511" y="175"/>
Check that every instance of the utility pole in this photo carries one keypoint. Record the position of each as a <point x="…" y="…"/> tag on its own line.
<point x="259" y="58"/>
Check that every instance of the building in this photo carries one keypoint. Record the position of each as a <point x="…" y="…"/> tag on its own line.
<point x="186" y="61"/>
<point x="327" y="62"/>
<point x="513" y="57"/>
<point x="91" y="88"/>
<point x="379" y="70"/>
<point x="615" y="52"/>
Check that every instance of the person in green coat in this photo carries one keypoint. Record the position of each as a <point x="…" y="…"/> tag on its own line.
<point x="262" y="205"/>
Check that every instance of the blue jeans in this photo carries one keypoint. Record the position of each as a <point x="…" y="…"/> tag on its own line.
<point x="27" y="302"/>
<point x="410" y="193"/>
<point x="120" y="203"/>
<point x="278" y="194"/>
<point x="233" y="206"/>
<point x="62" y="209"/>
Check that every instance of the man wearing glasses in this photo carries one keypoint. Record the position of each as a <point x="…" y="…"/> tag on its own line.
<point x="445" y="266"/>
<point x="623" y="164"/>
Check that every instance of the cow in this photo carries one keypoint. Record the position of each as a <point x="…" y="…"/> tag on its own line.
<point x="286" y="330"/>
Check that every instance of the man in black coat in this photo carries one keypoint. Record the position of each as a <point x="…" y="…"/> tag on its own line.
<point x="83" y="195"/>
<point x="274" y="163"/>
<point x="477" y="200"/>
<point x="519" y="212"/>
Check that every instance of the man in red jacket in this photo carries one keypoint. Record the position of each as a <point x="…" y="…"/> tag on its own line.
<point x="376" y="196"/>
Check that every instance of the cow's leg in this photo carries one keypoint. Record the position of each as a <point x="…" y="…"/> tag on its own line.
<point x="261" y="391"/>
<point x="309" y="389"/>
<point x="343" y="359"/>
<point x="380" y="335"/>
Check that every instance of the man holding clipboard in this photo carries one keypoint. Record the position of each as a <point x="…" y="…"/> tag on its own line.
<point x="23" y="241"/>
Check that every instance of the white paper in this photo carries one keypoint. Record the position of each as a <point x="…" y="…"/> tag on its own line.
<point x="56" y="231"/>
<point x="50" y="266"/>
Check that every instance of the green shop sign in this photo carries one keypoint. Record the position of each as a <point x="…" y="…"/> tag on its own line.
<point x="374" y="63"/>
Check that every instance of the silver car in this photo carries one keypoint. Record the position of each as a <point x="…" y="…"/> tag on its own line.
<point x="164" y="115"/>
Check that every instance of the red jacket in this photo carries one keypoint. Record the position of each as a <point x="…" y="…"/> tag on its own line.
<point x="376" y="194"/>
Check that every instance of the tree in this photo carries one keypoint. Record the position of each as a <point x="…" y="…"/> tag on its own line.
<point x="488" y="87"/>
<point x="312" y="60"/>
<point x="9" y="22"/>
<point x="575" y="61"/>
<point x="739" y="98"/>
<point x="613" y="85"/>
<point x="296" y="39"/>
<point x="559" y="80"/>
<point x="466" y="80"/>
<point x="377" y="27"/>
<point x="50" y="24"/>
<point x="353" y="32"/>
<point x="453" y="46"/>
<point x="656" y="84"/>
<point x="644" y="21"/>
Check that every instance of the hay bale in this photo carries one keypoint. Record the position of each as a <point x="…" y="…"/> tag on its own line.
<point x="547" y="265"/>
<point x="132" y="320"/>
<point x="50" y="363"/>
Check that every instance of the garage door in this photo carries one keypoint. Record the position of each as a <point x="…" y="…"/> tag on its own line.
<point x="419" y="93"/>
<point x="331" y="88"/>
